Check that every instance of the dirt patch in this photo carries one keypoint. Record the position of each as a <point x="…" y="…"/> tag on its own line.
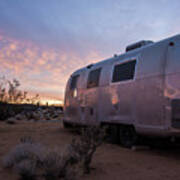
<point x="110" y="161"/>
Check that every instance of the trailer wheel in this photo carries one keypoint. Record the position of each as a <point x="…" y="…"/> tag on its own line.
<point x="127" y="136"/>
<point x="113" y="134"/>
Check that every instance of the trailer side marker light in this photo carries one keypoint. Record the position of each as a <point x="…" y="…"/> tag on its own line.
<point x="171" y="44"/>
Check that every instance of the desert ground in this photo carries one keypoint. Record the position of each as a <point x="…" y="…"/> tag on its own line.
<point x="110" y="161"/>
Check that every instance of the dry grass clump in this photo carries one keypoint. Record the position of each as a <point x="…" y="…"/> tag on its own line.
<point x="25" y="150"/>
<point x="31" y="160"/>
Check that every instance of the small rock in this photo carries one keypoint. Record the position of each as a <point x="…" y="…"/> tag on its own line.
<point x="11" y="121"/>
<point x="139" y="148"/>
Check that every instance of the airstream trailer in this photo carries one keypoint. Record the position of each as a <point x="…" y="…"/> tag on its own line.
<point x="136" y="93"/>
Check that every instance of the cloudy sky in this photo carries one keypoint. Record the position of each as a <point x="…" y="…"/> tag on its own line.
<point x="43" y="41"/>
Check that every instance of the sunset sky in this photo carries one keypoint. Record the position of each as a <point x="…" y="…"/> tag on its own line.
<point x="43" y="41"/>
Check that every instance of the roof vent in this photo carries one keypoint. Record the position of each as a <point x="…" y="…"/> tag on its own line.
<point x="138" y="45"/>
<point x="89" y="66"/>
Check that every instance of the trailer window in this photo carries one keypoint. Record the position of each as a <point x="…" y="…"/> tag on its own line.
<point x="123" y="72"/>
<point x="74" y="81"/>
<point x="93" y="78"/>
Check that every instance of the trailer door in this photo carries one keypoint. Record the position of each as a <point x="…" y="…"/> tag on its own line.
<point x="89" y="108"/>
<point x="122" y="92"/>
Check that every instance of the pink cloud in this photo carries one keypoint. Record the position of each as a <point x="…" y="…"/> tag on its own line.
<point x="40" y="69"/>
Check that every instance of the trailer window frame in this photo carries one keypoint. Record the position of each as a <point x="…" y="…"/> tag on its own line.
<point x="91" y="75"/>
<point x="124" y="80"/>
<point x="74" y="82"/>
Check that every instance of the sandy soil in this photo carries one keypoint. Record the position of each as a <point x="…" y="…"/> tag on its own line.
<point x="110" y="161"/>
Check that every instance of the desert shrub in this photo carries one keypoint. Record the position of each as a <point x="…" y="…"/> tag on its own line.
<point x="24" y="151"/>
<point x="71" y="173"/>
<point x="82" y="151"/>
<point x="28" y="157"/>
<point x="51" y="165"/>
<point x="68" y="170"/>
<point x="25" y="158"/>
<point x="57" y="165"/>
<point x="26" y="169"/>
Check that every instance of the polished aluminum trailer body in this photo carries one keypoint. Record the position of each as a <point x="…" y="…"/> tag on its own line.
<point x="149" y="101"/>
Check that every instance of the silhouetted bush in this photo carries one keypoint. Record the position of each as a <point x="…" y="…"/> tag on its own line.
<point x="9" y="95"/>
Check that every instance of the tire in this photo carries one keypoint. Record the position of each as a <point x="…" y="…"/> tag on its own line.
<point x="113" y="134"/>
<point x="127" y="136"/>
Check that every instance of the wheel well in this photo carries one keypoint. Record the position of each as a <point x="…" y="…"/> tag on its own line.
<point x="117" y="124"/>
